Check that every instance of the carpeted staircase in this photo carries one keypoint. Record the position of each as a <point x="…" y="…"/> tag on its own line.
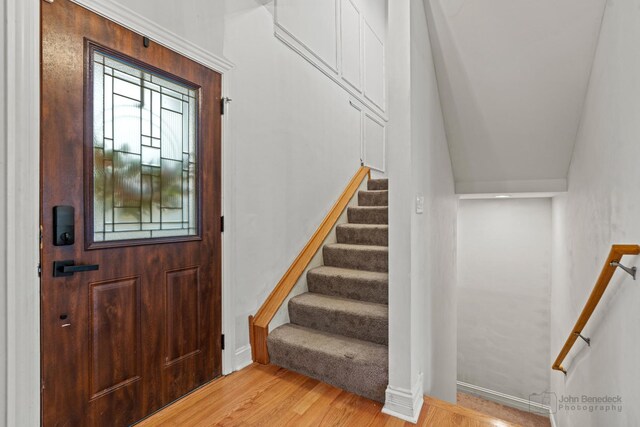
<point x="339" y="329"/>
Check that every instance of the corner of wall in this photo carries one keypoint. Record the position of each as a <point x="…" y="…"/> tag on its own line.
<point x="242" y="357"/>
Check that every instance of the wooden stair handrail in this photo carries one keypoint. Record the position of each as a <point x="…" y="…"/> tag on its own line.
<point x="616" y="254"/>
<point x="259" y="324"/>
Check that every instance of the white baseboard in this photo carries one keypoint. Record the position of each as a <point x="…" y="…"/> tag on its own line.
<point x="404" y="404"/>
<point x="243" y="357"/>
<point x="506" y="399"/>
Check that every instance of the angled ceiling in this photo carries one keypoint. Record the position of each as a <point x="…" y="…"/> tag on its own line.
<point x="512" y="76"/>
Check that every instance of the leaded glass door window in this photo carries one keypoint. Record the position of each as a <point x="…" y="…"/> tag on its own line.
<point x="145" y="145"/>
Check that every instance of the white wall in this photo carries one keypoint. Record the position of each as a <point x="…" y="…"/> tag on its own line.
<point x="601" y="209"/>
<point x="421" y="246"/>
<point x="345" y="39"/>
<point x="404" y="366"/>
<point x="199" y="21"/>
<point x="3" y="218"/>
<point x="434" y="232"/>
<point x="504" y="285"/>
<point x="296" y="143"/>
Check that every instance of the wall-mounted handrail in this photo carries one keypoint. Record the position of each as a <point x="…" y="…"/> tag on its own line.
<point x="259" y="324"/>
<point x="613" y="262"/>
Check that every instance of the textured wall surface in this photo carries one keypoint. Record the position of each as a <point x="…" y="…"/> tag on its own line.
<point x="602" y="208"/>
<point x="504" y="281"/>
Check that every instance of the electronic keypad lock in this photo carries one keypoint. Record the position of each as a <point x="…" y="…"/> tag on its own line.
<point x="63" y="226"/>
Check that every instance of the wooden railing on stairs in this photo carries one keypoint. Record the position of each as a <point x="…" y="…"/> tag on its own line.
<point x="613" y="262"/>
<point x="259" y="324"/>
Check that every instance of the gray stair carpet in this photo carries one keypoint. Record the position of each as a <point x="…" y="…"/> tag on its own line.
<point x="373" y="198"/>
<point x="352" y="318"/>
<point x="363" y="234"/>
<point x="354" y="284"/>
<point x="368" y="215"/>
<point x="339" y="329"/>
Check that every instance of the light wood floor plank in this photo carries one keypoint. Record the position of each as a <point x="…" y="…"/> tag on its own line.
<point x="270" y="396"/>
<point x="312" y="416"/>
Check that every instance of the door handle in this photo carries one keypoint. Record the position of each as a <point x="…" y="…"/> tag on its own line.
<point x="68" y="267"/>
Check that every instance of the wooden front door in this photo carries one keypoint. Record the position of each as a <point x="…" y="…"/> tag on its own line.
<point x="130" y="216"/>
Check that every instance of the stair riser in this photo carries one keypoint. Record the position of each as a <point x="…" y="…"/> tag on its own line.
<point x="368" y="198"/>
<point x="377" y="184"/>
<point x="365" y="379"/>
<point x="361" y="290"/>
<point x="362" y="327"/>
<point x="370" y="236"/>
<point x="368" y="216"/>
<point x="355" y="259"/>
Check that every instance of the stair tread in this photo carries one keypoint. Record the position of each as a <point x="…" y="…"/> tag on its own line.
<point x="378" y="198"/>
<point x="364" y="226"/>
<point x="354" y="365"/>
<point x="363" y="234"/>
<point x="349" y="273"/>
<point x="361" y="248"/>
<point x="359" y="285"/>
<point x="343" y="305"/>
<point x="375" y="191"/>
<point x="378" y="184"/>
<point x="358" y="257"/>
<point x="366" y="321"/>
<point x="357" y="351"/>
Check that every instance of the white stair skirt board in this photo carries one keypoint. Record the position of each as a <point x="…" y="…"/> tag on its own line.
<point x="243" y="357"/>
<point x="506" y="399"/>
<point x="405" y="404"/>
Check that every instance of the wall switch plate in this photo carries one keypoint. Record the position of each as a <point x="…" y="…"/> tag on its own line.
<point x="419" y="204"/>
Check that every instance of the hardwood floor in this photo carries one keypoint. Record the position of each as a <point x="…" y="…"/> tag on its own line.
<point x="512" y="415"/>
<point x="265" y="395"/>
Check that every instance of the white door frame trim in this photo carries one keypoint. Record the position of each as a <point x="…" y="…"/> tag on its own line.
<point x="20" y="199"/>
<point x="20" y="202"/>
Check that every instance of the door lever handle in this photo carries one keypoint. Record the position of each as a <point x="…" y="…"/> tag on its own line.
<point x="68" y="268"/>
<point x="80" y="268"/>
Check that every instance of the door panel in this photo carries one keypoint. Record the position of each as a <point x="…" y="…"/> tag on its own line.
<point x="183" y="314"/>
<point x="115" y="335"/>
<point x="130" y="140"/>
